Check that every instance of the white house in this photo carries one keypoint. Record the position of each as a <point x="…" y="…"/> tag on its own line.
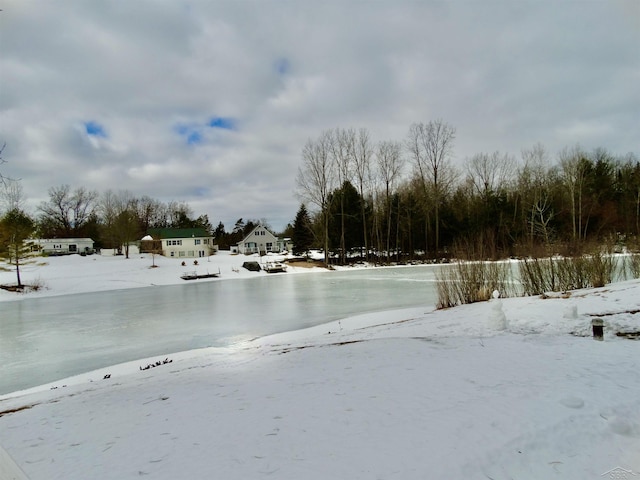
<point x="179" y="242"/>
<point x="260" y="240"/>
<point x="65" y="246"/>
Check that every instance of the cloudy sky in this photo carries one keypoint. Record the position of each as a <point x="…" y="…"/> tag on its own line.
<point x="211" y="102"/>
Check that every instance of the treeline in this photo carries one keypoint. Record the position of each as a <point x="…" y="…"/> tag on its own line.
<point x="111" y="219"/>
<point x="115" y="219"/>
<point x="398" y="200"/>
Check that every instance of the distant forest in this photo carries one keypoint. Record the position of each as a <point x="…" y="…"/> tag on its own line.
<point x="399" y="200"/>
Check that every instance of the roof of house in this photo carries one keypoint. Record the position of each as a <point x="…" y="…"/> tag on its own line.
<point x="163" y="233"/>
<point x="54" y="240"/>
<point x="261" y="227"/>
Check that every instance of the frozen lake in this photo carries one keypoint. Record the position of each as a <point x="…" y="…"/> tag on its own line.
<point x="47" y="339"/>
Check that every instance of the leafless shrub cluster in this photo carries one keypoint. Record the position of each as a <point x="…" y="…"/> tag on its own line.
<point x="539" y="275"/>
<point x="37" y="284"/>
<point x="633" y="265"/>
<point x="469" y="282"/>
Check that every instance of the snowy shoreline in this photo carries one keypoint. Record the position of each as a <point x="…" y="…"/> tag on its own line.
<point x="74" y="274"/>
<point x="411" y="393"/>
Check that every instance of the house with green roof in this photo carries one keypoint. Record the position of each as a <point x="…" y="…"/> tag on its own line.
<point x="178" y="242"/>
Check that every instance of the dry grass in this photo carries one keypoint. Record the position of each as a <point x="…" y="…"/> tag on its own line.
<point x="470" y="282"/>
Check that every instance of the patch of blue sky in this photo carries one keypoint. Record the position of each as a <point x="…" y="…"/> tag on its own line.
<point x="282" y="66"/>
<point x="194" y="138"/>
<point x="192" y="134"/>
<point x="182" y="129"/>
<point x="225" y="123"/>
<point x="94" y="129"/>
<point x="196" y="133"/>
<point x="201" y="191"/>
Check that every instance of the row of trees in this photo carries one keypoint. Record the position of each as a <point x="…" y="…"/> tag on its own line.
<point x="408" y="196"/>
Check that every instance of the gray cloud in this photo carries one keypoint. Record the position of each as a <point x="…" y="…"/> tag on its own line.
<point x="505" y="74"/>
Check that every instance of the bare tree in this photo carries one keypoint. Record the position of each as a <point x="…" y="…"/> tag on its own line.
<point x="390" y="165"/>
<point x="362" y="154"/>
<point x="151" y="213"/>
<point x="3" y="180"/>
<point x="341" y="148"/>
<point x="107" y="207"/>
<point x="429" y="146"/>
<point x="179" y="214"/>
<point x="120" y="218"/>
<point x="12" y="196"/>
<point x="535" y="192"/>
<point x="67" y="212"/>
<point x="316" y="179"/>
<point x="573" y="176"/>
<point x="490" y="172"/>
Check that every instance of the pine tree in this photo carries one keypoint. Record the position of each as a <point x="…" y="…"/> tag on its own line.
<point x="16" y="228"/>
<point x="302" y="237"/>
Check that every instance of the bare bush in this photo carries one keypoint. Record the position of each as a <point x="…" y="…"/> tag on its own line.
<point x="567" y="273"/>
<point x="537" y="275"/>
<point x="37" y="284"/>
<point x="633" y="264"/>
<point x="470" y="282"/>
<point x="601" y="268"/>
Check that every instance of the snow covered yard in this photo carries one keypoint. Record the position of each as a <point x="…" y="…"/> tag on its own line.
<point x="76" y="274"/>
<point x="407" y="394"/>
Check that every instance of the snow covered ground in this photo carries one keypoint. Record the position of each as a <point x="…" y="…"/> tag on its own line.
<point x="508" y="389"/>
<point x="93" y="273"/>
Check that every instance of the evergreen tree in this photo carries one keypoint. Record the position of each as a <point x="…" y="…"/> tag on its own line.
<point x="16" y="228"/>
<point x="345" y="222"/>
<point x="302" y="236"/>
<point x="220" y="236"/>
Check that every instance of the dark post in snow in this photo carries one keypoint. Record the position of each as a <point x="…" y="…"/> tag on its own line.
<point x="598" y="329"/>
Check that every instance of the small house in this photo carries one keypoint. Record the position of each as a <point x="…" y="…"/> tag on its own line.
<point x="178" y="242"/>
<point x="65" y="246"/>
<point x="259" y="240"/>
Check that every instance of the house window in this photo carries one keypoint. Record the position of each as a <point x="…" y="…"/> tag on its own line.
<point x="269" y="246"/>
<point x="190" y="253"/>
<point x="181" y="254"/>
<point x="197" y="241"/>
<point x="173" y="254"/>
<point x="168" y="242"/>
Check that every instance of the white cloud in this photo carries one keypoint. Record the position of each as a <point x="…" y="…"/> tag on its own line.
<point x="505" y="74"/>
